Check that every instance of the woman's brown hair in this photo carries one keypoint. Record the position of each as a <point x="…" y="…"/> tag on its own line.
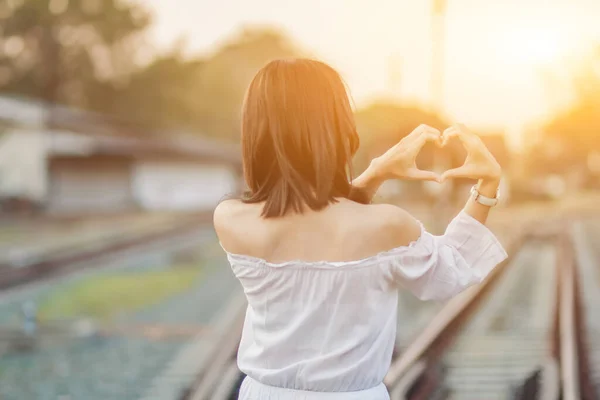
<point x="298" y="137"/>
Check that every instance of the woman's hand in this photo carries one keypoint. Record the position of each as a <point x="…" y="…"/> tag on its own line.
<point x="399" y="162"/>
<point x="479" y="164"/>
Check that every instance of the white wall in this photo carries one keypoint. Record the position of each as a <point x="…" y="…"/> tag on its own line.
<point x="169" y="185"/>
<point x="88" y="185"/>
<point x="23" y="163"/>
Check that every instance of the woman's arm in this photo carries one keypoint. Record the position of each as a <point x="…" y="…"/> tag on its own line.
<point x="369" y="181"/>
<point x="488" y="188"/>
<point x="399" y="163"/>
<point x="439" y="267"/>
<point x="480" y="165"/>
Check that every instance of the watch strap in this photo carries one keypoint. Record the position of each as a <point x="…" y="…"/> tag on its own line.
<point x="484" y="200"/>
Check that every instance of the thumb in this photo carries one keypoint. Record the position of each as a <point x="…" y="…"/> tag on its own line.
<point x="421" y="175"/>
<point x="460" y="172"/>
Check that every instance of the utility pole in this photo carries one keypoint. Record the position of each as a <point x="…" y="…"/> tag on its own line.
<point x="438" y="30"/>
<point x="442" y="160"/>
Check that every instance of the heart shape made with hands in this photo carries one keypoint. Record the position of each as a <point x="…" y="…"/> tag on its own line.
<point x="400" y="160"/>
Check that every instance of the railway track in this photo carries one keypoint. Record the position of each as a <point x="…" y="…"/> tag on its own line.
<point x="588" y="262"/>
<point x="68" y="261"/>
<point x="528" y="332"/>
<point x="107" y="363"/>
<point x="519" y="336"/>
<point x="508" y="339"/>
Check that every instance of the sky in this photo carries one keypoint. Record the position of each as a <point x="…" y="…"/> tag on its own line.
<point x="504" y="62"/>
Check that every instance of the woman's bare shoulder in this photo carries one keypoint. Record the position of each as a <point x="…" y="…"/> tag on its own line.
<point x="367" y="228"/>
<point x="390" y="226"/>
<point x="233" y="212"/>
<point x="227" y="209"/>
<point x="232" y="219"/>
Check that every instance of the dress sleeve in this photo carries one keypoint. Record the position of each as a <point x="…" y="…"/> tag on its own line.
<point x="440" y="267"/>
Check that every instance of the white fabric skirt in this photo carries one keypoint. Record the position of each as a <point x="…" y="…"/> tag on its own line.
<point x="254" y="390"/>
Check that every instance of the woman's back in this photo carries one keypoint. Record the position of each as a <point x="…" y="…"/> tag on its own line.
<point x="321" y="315"/>
<point x="322" y="289"/>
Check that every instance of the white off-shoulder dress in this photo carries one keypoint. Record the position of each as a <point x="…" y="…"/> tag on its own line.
<point x="326" y="330"/>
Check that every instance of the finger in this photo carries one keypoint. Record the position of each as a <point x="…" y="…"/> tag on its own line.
<point x="430" y="134"/>
<point x="465" y="134"/>
<point x="464" y="171"/>
<point x="418" y="145"/>
<point x="417" y="142"/>
<point x="421" y="175"/>
<point x="425" y="127"/>
<point x="429" y="129"/>
<point x="417" y="138"/>
<point x="419" y="130"/>
<point x="461" y="127"/>
<point x="448" y="134"/>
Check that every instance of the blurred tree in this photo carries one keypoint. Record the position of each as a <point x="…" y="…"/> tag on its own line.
<point x="226" y="75"/>
<point x="162" y="95"/>
<point x="68" y="50"/>
<point x="383" y="124"/>
<point x="571" y="137"/>
<point x="202" y="95"/>
<point x="87" y="53"/>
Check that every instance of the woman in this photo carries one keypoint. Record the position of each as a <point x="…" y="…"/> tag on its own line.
<point x="319" y="265"/>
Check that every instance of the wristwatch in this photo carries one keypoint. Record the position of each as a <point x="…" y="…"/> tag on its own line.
<point x="481" y="199"/>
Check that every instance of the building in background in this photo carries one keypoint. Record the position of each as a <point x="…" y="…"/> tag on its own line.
<point x="65" y="161"/>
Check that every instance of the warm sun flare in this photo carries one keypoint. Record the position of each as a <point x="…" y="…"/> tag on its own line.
<point x="532" y="45"/>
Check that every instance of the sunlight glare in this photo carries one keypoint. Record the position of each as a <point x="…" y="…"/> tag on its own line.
<point x="532" y="46"/>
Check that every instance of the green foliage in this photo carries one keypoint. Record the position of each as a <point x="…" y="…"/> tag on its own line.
<point x="203" y="95"/>
<point x="227" y="74"/>
<point x="83" y="53"/>
<point x="161" y="95"/>
<point x="389" y="122"/>
<point x="106" y="296"/>
<point x="66" y="51"/>
<point x="382" y="124"/>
